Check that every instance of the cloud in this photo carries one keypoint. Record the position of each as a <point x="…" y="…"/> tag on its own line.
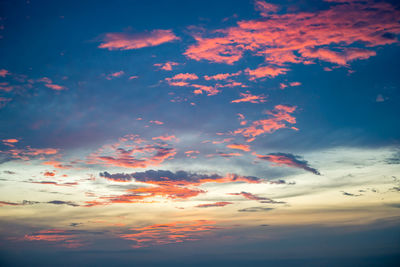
<point x="248" y="97"/>
<point x="265" y="8"/>
<point x="341" y="33"/>
<point x="167" y="66"/>
<point x="166" y="138"/>
<point x="27" y="153"/>
<point x="54" y="183"/>
<point x="216" y="204"/>
<point x="65" y="238"/>
<point x="132" y="152"/>
<point x="290" y="160"/>
<point x="173" y="232"/>
<point x="4" y="101"/>
<point x="49" y="84"/>
<point x="167" y="184"/>
<point x="239" y="146"/>
<point x="250" y="196"/>
<point x="255" y="209"/>
<point x="279" y="117"/>
<point x="127" y="41"/>
<point x="4" y="73"/>
<point x="221" y="76"/>
<point x="265" y="71"/>
<point x="115" y="75"/>
<point x="350" y="194"/>
<point x="60" y="202"/>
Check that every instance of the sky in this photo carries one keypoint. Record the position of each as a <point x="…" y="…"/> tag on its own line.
<point x="192" y="133"/>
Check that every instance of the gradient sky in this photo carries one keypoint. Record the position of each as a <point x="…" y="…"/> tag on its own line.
<point x="240" y="133"/>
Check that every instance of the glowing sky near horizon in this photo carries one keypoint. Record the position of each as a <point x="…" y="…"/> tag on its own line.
<point x="201" y="132"/>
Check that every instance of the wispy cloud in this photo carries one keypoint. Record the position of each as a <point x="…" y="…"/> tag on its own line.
<point x="127" y="41"/>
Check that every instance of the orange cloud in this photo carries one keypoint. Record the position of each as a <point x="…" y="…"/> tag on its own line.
<point x="49" y="174"/>
<point x="174" y="232"/>
<point x="125" y="41"/>
<point x="239" y="146"/>
<point x="57" y="164"/>
<point x="247" y="97"/>
<point x="12" y="140"/>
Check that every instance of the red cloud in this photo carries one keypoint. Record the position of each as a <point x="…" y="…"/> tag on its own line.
<point x="216" y="204"/>
<point x="49" y="174"/>
<point x="125" y="41"/>
<point x="247" y="97"/>
<point x="301" y="37"/>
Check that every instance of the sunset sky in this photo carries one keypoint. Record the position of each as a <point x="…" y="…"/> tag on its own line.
<point x="199" y="133"/>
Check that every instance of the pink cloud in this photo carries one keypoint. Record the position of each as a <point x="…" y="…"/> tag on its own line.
<point x="302" y="37"/>
<point x="4" y="73"/>
<point x="115" y="75"/>
<point x="280" y="116"/>
<point x="248" y="97"/>
<point x="166" y="138"/>
<point x="126" y="41"/>
<point x="242" y="147"/>
<point x="266" y="71"/>
<point x="221" y="76"/>
<point x="167" y="66"/>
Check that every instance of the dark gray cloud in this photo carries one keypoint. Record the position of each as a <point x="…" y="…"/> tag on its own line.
<point x="165" y="175"/>
<point x="350" y="194"/>
<point x="289" y="160"/>
<point x="255" y="209"/>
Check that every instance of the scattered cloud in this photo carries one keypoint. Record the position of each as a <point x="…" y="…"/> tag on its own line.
<point x="127" y="41"/>
<point x="248" y="97"/>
